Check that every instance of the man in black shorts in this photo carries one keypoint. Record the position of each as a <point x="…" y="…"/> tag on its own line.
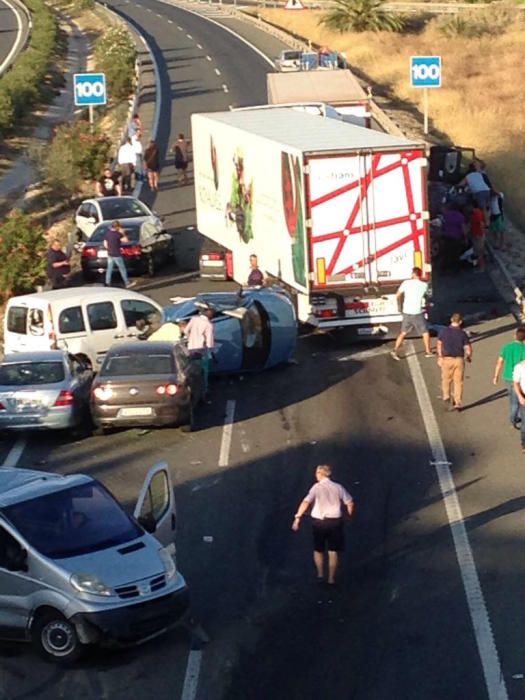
<point x="326" y="498"/>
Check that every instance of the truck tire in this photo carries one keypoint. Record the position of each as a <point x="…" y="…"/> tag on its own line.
<point x="55" y="638"/>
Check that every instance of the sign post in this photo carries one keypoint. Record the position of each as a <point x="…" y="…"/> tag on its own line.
<point x="90" y="90"/>
<point x="425" y="72"/>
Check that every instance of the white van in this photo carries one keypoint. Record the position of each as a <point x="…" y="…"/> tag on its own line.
<point x="85" y="321"/>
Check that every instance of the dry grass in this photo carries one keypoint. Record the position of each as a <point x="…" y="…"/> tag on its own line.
<point x="480" y="104"/>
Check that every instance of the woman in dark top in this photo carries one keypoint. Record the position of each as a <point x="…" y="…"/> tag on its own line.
<point x="152" y="162"/>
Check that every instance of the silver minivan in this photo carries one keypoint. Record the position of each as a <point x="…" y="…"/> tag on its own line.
<point x="85" y="321"/>
<point x="76" y="569"/>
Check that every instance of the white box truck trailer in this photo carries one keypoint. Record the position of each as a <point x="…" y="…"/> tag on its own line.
<point x="336" y="213"/>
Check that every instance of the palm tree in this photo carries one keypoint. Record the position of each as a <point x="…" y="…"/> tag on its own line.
<point x="360" y="16"/>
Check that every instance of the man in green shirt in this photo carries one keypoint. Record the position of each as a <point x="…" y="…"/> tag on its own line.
<point x="509" y="356"/>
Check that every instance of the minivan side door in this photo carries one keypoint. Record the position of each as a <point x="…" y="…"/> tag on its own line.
<point x="134" y="310"/>
<point x="105" y="328"/>
<point x="16" y="587"/>
<point x="155" y="508"/>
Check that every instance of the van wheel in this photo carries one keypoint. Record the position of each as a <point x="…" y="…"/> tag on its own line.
<point x="55" y="638"/>
<point x="151" y="267"/>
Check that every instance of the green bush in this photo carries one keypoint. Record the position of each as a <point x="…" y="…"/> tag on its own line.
<point x="23" y="85"/>
<point x="24" y="246"/>
<point x="75" y="154"/>
<point x="115" y="55"/>
<point x="493" y="20"/>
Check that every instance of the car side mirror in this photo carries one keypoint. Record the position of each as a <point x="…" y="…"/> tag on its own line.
<point x="148" y="523"/>
<point x="16" y="559"/>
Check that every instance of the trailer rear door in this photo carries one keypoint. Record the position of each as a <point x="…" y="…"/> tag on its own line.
<point x="367" y="218"/>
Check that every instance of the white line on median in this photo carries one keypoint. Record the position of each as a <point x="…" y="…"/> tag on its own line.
<point x="479" y="615"/>
<point x="15" y="453"/>
<point x="191" y="679"/>
<point x="224" y="454"/>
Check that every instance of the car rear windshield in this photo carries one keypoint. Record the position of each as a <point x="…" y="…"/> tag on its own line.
<point x="115" y="208"/>
<point x="132" y="233"/>
<point x="17" y="319"/>
<point x="139" y="363"/>
<point x="78" y="520"/>
<point x="31" y="373"/>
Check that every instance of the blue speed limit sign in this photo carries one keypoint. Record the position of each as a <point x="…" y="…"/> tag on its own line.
<point x="425" y="71"/>
<point x="90" y="89"/>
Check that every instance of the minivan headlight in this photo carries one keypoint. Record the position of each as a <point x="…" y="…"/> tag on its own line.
<point x="89" y="583"/>
<point x="169" y="565"/>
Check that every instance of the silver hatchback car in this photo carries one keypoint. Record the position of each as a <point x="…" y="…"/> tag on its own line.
<point x="76" y="569"/>
<point x="43" y="390"/>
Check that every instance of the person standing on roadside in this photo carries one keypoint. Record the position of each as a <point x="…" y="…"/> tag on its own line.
<point x="413" y="293"/>
<point x="137" y="146"/>
<point x="58" y="267"/>
<point x="478" y="235"/>
<point x="126" y="160"/>
<point x="113" y="240"/>
<point x="180" y="151"/>
<point x="326" y="498"/>
<point x="201" y="340"/>
<point x="135" y="124"/>
<point x="511" y="355"/>
<point x="152" y="163"/>
<point x="453" y="348"/>
<point x="109" y="184"/>
<point x="518" y="379"/>
<point x="255" y="277"/>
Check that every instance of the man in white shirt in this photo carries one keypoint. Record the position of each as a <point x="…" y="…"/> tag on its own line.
<point x="518" y="379"/>
<point x="126" y="160"/>
<point x="326" y="497"/>
<point x="201" y="340"/>
<point x="413" y="293"/>
<point x="478" y="186"/>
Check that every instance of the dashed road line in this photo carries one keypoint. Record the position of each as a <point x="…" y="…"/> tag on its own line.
<point x="189" y="36"/>
<point x="488" y="653"/>
<point x="191" y="678"/>
<point x="179" y="28"/>
<point x="225" y="88"/>
<point x="208" y="58"/>
<point x="217" y="71"/>
<point x="199" y="46"/>
<point x="15" y="453"/>
<point x="170" y="21"/>
<point x="226" y="441"/>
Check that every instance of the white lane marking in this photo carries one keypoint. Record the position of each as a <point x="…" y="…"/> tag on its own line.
<point x="19" y="35"/>
<point x="217" y="71"/>
<point x="199" y="46"/>
<point x="225" y="88"/>
<point x="191" y="678"/>
<point x="158" y="15"/>
<point x="224" y="454"/>
<point x="170" y="21"/>
<point x="189" y="36"/>
<point x="149" y="9"/>
<point x="479" y="615"/>
<point x="15" y="453"/>
<point x="365" y="354"/>
<point x="208" y="58"/>
<point x="179" y="28"/>
<point x="143" y="41"/>
<point x="227" y="29"/>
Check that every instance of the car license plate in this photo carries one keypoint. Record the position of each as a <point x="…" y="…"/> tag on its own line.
<point x="102" y="253"/>
<point x="213" y="263"/>
<point x="135" y="411"/>
<point x="27" y="404"/>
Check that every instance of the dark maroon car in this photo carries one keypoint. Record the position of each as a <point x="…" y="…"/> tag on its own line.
<point x="146" y="383"/>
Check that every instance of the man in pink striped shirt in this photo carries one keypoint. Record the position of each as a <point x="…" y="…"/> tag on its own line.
<point x="201" y="340"/>
<point x="327" y="498"/>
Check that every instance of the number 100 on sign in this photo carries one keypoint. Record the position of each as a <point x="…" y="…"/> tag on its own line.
<point x="425" y="71"/>
<point x="90" y="89"/>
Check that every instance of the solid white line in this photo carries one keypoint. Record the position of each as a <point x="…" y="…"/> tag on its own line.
<point x="191" y="678"/>
<point x="7" y="60"/>
<point x="15" y="453"/>
<point x="217" y="71"/>
<point x="224" y="454"/>
<point x="479" y="615"/>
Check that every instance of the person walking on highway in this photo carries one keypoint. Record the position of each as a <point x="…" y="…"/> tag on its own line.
<point x="326" y="498"/>
<point x="126" y="159"/>
<point x="453" y="349"/>
<point x="152" y="163"/>
<point x="201" y="340"/>
<point x="518" y="379"/>
<point x="135" y="124"/>
<point x="180" y="151"/>
<point x="413" y="293"/>
<point x="510" y="355"/>
<point x="113" y="240"/>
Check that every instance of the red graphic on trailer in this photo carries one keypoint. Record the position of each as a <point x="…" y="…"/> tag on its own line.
<point x="367" y="214"/>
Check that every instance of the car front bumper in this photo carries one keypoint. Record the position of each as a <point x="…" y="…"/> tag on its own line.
<point x="134" y="623"/>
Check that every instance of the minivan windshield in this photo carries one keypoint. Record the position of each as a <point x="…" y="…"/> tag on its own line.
<point x="75" y="521"/>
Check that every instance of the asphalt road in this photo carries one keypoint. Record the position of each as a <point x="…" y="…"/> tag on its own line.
<point x="399" y="626"/>
<point x="13" y="29"/>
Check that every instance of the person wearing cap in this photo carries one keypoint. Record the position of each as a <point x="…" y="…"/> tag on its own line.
<point x="326" y="498"/>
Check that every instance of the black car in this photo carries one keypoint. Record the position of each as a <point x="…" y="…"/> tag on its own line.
<point x="147" y="250"/>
